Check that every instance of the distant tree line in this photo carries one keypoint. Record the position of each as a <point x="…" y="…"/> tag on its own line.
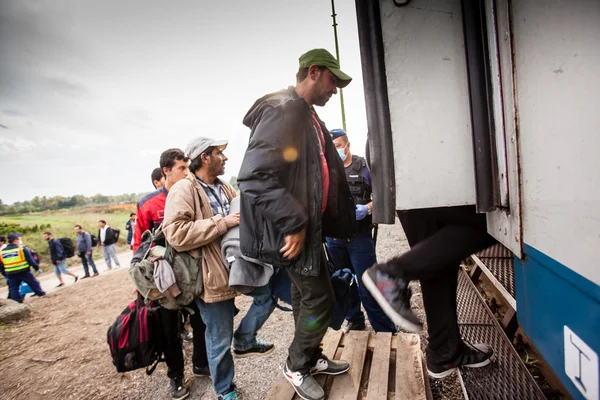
<point x="59" y="202"/>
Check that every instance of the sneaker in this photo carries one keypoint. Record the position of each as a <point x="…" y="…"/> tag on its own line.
<point x="178" y="390"/>
<point x="305" y="385"/>
<point x="472" y="356"/>
<point x="260" y="348"/>
<point x="85" y="277"/>
<point x="330" y="367"/>
<point x="201" y="371"/>
<point x="186" y="336"/>
<point x="231" y="394"/>
<point x="95" y="274"/>
<point x="60" y="284"/>
<point x="353" y="326"/>
<point x="76" y="278"/>
<point x="393" y="298"/>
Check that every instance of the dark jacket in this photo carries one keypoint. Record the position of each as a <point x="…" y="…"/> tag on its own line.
<point x="57" y="252"/>
<point x="110" y="237"/>
<point x="281" y="184"/>
<point x="84" y="242"/>
<point x="28" y="257"/>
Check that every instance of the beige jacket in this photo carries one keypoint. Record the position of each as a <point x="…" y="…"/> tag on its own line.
<point x="190" y="224"/>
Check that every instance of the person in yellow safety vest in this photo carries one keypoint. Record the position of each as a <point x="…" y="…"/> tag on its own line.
<point x="15" y="264"/>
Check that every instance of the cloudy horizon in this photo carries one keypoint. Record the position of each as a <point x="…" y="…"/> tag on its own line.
<point x="92" y="92"/>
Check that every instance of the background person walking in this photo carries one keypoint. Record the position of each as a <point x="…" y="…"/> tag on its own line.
<point x="15" y="262"/>
<point x="106" y="239"/>
<point x="59" y="258"/>
<point x="84" y="250"/>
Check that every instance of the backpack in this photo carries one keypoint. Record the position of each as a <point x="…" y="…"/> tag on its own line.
<point x="35" y="255"/>
<point x="94" y="240"/>
<point x="186" y="268"/>
<point x="116" y="233"/>
<point x="341" y="281"/>
<point x="68" y="247"/>
<point x="135" y="338"/>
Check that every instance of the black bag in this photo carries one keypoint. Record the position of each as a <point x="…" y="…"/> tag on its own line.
<point x="68" y="247"/>
<point x="116" y="233"/>
<point x="94" y="240"/>
<point x="134" y="338"/>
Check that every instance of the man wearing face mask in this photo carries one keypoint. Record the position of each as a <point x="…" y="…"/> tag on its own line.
<point x="358" y="252"/>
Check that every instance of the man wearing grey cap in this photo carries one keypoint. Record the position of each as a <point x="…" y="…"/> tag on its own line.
<point x="196" y="217"/>
<point x="293" y="194"/>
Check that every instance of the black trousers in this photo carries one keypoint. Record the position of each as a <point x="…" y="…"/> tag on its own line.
<point x="173" y="350"/>
<point x="440" y="238"/>
<point x="312" y="303"/>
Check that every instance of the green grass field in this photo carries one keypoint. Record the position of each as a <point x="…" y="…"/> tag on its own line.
<point x="62" y="223"/>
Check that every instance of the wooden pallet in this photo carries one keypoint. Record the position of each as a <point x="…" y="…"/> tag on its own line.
<point x="382" y="367"/>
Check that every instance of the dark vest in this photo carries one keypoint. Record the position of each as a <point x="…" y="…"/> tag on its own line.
<point x="361" y="191"/>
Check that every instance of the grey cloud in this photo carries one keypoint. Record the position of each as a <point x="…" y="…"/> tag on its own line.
<point x="65" y="86"/>
<point x="12" y="113"/>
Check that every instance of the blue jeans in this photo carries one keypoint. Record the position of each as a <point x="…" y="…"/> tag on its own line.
<point x="61" y="267"/>
<point x="358" y="254"/>
<point x="258" y="313"/>
<point x="109" y="252"/>
<point x="85" y="260"/>
<point x="218" y="318"/>
<point x="14" y="281"/>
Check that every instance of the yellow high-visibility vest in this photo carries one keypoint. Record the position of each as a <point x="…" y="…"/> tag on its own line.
<point x="14" y="260"/>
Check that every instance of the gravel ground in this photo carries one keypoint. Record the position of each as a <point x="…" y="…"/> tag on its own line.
<point x="61" y="351"/>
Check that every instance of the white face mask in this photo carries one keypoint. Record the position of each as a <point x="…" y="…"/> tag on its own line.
<point x="342" y="154"/>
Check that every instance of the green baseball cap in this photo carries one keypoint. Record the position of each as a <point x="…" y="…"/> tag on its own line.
<point x="323" y="58"/>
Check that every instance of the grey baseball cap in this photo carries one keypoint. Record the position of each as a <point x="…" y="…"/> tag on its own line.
<point x="198" y="145"/>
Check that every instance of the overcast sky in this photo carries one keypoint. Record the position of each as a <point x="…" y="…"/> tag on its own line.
<point x="91" y="92"/>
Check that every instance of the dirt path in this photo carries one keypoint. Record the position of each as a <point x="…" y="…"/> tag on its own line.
<point x="61" y="351"/>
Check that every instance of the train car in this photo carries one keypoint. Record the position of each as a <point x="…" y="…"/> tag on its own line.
<point x="496" y="103"/>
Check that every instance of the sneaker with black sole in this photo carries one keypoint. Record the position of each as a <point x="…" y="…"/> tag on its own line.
<point x="393" y="296"/>
<point x="472" y="356"/>
<point x="353" y="326"/>
<point x="85" y="277"/>
<point x="201" y="371"/>
<point x="305" y="385"/>
<point x="178" y="389"/>
<point x="260" y="348"/>
<point x="330" y="367"/>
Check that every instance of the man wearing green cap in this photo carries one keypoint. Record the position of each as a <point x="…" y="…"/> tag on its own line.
<point x="293" y="194"/>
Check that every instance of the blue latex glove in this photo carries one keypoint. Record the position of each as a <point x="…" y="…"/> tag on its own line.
<point x="361" y="212"/>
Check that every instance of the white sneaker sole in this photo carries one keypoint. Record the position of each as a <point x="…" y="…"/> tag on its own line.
<point x="295" y="388"/>
<point x="396" y="318"/>
<point x="330" y="373"/>
<point x="440" y="375"/>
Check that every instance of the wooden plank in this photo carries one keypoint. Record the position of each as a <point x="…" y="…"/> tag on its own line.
<point x="410" y="383"/>
<point x="281" y="389"/>
<point x="330" y="345"/>
<point x="380" y="367"/>
<point x="428" y="393"/>
<point x="347" y="386"/>
<point x="371" y="344"/>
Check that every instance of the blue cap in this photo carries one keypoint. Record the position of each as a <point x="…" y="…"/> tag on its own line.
<point x="336" y="133"/>
<point x="13" y="236"/>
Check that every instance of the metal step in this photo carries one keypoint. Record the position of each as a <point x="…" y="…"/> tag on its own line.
<point x="497" y="263"/>
<point x="507" y="377"/>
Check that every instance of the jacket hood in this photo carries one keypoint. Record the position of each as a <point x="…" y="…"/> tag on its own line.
<point x="272" y="99"/>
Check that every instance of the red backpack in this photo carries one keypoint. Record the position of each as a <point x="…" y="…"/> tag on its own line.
<point x="135" y="338"/>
